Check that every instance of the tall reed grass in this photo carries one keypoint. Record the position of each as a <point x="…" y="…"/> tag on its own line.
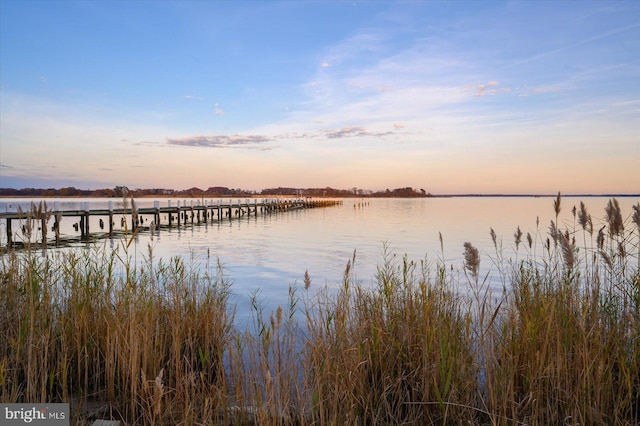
<point x="154" y="342"/>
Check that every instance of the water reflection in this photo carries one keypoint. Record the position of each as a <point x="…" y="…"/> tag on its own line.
<point x="271" y="252"/>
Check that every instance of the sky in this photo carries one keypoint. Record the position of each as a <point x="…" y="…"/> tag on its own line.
<point x="448" y="96"/>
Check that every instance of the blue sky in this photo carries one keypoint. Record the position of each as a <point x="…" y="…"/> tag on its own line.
<point x="452" y="97"/>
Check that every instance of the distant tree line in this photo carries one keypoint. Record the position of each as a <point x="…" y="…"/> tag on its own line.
<point x="53" y="192"/>
<point x="332" y="192"/>
<point x="213" y="191"/>
<point x="402" y="192"/>
<point x="122" y="191"/>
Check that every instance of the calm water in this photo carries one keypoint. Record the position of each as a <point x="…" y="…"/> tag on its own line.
<point x="271" y="252"/>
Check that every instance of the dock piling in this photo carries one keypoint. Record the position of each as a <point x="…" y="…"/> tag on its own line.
<point x="201" y="211"/>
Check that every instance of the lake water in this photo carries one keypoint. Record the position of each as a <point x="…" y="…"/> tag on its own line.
<point x="269" y="253"/>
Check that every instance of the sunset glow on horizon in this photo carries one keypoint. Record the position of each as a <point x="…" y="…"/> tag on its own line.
<point x="454" y="97"/>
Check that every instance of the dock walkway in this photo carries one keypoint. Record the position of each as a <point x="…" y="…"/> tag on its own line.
<point x="178" y="215"/>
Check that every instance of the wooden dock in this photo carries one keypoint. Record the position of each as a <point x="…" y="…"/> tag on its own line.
<point x="161" y="217"/>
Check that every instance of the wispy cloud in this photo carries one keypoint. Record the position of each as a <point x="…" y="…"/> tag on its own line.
<point x="217" y="110"/>
<point x="576" y="44"/>
<point x="540" y="90"/>
<point x="633" y="102"/>
<point x="379" y="83"/>
<point x="193" y="97"/>
<point x="222" y="141"/>
<point x="490" y="88"/>
<point x="348" y="132"/>
<point x="354" y="46"/>
<point x="257" y="141"/>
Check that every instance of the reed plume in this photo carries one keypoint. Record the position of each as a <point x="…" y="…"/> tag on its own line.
<point x="307" y="280"/>
<point x="614" y="218"/>
<point x="607" y="259"/>
<point x="554" y="233"/>
<point x="600" y="238"/>
<point x="584" y="218"/>
<point x="518" y="237"/>
<point x="568" y="249"/>
<point x="557" y="204"/>
<point x="471" y="260"/>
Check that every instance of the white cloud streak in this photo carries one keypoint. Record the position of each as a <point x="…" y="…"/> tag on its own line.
<point x="606" y="34"/>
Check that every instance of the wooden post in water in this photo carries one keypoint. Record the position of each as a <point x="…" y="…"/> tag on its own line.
<point x="43" y="225"/>
<point x="9" y="233"/>
<point x="56" y="225"/>
<point x="86" y="225"/>
<point x="134" y="217"/>
<point x="57" y="216"/>
<point x="156" y="215"/>
<point x="84" y="222"/>
<point x="110" y="218"/>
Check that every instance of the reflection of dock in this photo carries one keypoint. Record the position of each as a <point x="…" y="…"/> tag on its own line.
<point x="162" y="217"/>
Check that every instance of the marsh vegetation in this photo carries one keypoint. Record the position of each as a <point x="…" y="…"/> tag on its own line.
<point x="155" y="341"/>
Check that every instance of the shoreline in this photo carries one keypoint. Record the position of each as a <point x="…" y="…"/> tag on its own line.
<point x="335" y="196"/>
